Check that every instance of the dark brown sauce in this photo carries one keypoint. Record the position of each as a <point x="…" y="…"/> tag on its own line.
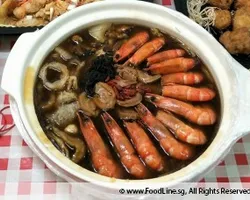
<point x="53" y="75"/>
<point x="85" y="53"/>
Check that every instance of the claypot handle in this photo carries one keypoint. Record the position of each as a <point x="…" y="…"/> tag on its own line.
<point x="15" y="64"/>
<point x="243" y="78"/>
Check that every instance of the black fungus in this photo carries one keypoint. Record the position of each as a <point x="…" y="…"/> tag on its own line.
<point x="101" y="70"/>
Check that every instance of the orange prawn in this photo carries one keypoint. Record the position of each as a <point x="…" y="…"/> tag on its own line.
<point x="167" y="141"/>
<point x="145" y="51"/>
<point x="127" y="154"/>
<point x="202" y="115"/>
<point x="165" y="55"/>
<point x="131" y="46"/>
<point x="144" y="146"/>
<point x="101" y="157"/>
<point x="187" y="93"/>
<point x="181" y="130"/>
<point x="172" y="66"/>
<point x="183" y="78"/>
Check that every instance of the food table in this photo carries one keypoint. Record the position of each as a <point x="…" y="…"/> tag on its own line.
<point x="23" y="174"/>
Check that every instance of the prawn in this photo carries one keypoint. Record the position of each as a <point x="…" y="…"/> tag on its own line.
<point x="181" y="130"/>
<point x="167" y="141"/>
<point x="202" y="115"/>
<point x="124" y="148"/>
<point x="131" y="46"/>
<point x="165" y="55"/>
<point x="145" y="51"/>
<point x="101" y="157"/>
<point x="187" y="93"/>
<point x="172" y="66"/>
<point x="144" y="146"/>
<point x="183" y="78"/>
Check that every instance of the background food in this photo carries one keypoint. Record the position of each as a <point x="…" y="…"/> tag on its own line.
<point x="223" y="4"/>
<point x="237" y="41"/>
<point x="228" y="19"/>
<point x="112" y="87"/>
<point x="241" y="18"/>
<point x="25" y="13"/>
<point x="223" y="19"/>
<point x="241" y="3"/>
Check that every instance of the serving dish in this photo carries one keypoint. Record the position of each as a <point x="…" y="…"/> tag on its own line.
<point x="232" y="80"/>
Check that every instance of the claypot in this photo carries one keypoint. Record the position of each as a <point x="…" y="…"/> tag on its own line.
<point x="27" y="55"/>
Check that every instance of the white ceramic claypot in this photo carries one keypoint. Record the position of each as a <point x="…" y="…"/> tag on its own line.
<point x="232" y="80"/>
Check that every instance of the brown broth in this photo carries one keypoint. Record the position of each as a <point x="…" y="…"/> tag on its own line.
<point x="85" y="52"/>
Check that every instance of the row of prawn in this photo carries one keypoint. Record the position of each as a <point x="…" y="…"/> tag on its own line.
<point x="169" y="63"/>
<point x="180" y="146"/>
<point x="177" y="83"/>
<point x="175" y="80"/>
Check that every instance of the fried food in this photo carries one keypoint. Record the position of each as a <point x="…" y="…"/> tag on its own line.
<point x="229" y="16"/>
<point x="22" y="13"/>
<point x="237" y="41"/>
<point x="242" y="18"/>
<point x="223" y="4"/>
<point x="223" y="19"/>
<point x="52" y="10"/>
<point x="6" y="7"/>
<point x="28" y="7"/>
<point x="241" y="3"/>
<point x="26" y="22"/>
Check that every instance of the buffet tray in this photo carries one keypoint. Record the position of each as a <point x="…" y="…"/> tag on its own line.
<point x="244" y="60"/>
<point x="11" y="30"/>
<point x="17" y="30"/>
